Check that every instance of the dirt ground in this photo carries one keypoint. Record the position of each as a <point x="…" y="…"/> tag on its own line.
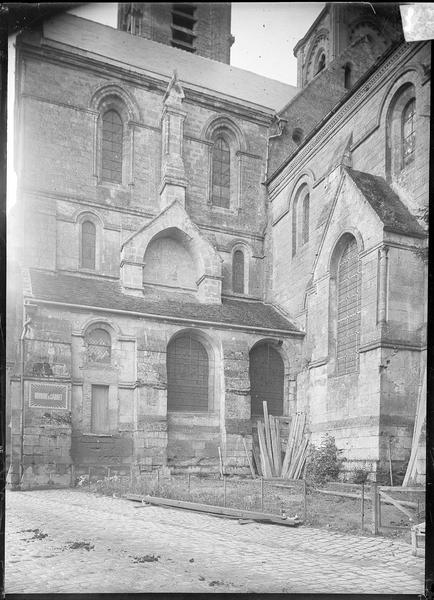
<point x="335" y="513"/>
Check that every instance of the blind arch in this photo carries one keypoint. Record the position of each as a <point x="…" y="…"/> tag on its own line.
<point x="238" y="267"/>
<point x="88" y="245"/>
<point x="266" y="370"/>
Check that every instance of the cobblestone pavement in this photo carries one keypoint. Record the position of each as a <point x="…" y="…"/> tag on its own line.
<point x="70" y="541"/>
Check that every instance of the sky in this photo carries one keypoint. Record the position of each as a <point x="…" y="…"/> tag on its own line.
<point x="265" y="33"/>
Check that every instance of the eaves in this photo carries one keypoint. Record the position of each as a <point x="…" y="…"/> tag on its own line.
<point x="170" y="319"/>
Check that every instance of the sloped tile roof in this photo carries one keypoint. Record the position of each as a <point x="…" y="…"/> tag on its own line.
<point x="386" y="203"/>
<point x="134" y="52"/>
<point x="86" y="291"/>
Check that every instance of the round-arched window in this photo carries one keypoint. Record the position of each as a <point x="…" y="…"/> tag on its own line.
<point x="187" y="374"/>
<point x="98" y="346"/>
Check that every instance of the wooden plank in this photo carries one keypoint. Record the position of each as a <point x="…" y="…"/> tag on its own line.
<point x="218" y="510"/>
<point x="359" y="497"/>
<point x="420" y="418"/>
<point x="295" y="462"/>
<point x="279" y="446"/>
<point x="375" y="506"/>
<point x="221" y="462"/>
<point x="290" y="450"/>
<point x="266" y="467"/>
<point x="397" y="504"/>
<point x="274" y="445"/>
<point x="268" y="434"/>
<point x="252" y="471"/>
<point x="302" y="459"/>
<point x="287" y="456"/>
<point x="398" y="488"/>
<point x="257" y="460"/>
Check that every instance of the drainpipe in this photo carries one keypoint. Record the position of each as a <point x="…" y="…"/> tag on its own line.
<point x="22" y="339"/>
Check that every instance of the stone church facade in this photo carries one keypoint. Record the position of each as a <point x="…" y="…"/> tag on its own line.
<point x="190" y="239"/>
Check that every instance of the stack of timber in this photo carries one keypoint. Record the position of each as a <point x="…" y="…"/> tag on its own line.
<point x="290" y="466"/>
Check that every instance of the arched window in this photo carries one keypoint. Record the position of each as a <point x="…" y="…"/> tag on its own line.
<point x="266" y="380"/>
<point x="238" y="272"/>
<point x="294" y="225"/>
<point x="348" y="76"/>
<point x="305" y="231"/>
<point x="221" y="173"/>
<point x="112" y="140"/>
<point x="98" y="346"/>
<point x="348" y="309"/>
<point x="88" y="245"/>
<point x="408" y="134"/>
<point x="321" y="63"/>
<point x="401" y="133"/>
<point x="187" y="375"/>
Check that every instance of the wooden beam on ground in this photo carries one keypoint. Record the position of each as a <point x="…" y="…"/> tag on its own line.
<point x="216" y="510"/>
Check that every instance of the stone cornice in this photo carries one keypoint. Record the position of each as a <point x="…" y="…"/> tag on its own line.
<point x="56" y="53"/>
<point x="45" y="194"/>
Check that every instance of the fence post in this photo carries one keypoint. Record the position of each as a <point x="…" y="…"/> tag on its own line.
<point x="108" y="472"/>
<point x="72" y="475"/>
<point x="362" y="507"/>
<point x="262" y="494"/>
<point x="158" y="481"/>
<point x="88" y="475"/>
<point x="189" y="487"/>
<point x="224" y="491"/>
<point x="374" y="509"/>
<point x="304" y="500"/>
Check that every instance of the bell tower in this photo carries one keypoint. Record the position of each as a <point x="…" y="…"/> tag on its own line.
<point x="202" y="28"/>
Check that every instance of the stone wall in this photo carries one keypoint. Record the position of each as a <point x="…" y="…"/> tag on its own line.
<point x="363" y="409"/>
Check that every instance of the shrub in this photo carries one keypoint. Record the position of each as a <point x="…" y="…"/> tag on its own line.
<point x="323" y="463"/>
<point x="360" y="475"/>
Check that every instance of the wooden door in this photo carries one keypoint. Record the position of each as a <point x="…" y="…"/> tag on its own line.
<point x="100" y="409"/>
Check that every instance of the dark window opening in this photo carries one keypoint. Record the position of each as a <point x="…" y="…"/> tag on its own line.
<point x="183" y="21"/>
<point x="408" y="133"/>
<point x="321" y="64"/>
<point x="347" y="77"/>
<point x="297" y="135"/>
<point x="88" y="245"/>
<point x="112" y="138"/>
<point x="266" y="380"/>
<point x="187" y="375"/>
<point x="221" y="168"/>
